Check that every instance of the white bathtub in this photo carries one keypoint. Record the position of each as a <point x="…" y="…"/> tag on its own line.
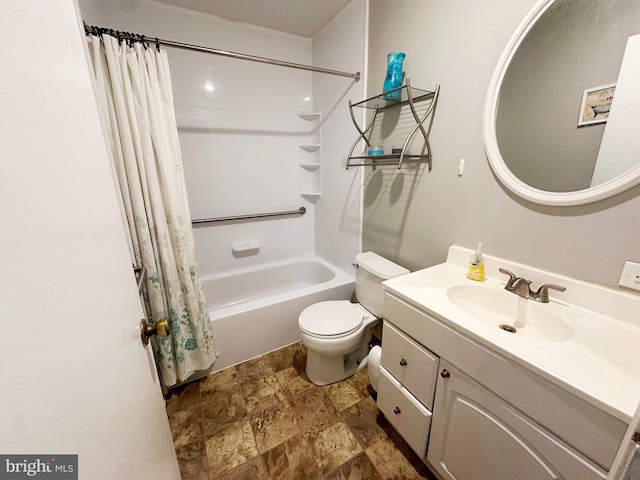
<point x="255" y="311"/>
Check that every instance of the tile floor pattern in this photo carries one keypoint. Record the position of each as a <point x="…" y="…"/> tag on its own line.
<point x="263" y="419"/>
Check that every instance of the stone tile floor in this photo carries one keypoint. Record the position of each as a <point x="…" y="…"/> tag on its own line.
<point x="263" y="419"/>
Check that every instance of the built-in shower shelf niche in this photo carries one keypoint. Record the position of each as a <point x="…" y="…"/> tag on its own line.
<point x="310" y="154"/>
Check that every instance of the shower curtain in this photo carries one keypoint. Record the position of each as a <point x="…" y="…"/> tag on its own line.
<point x="133" y="89"/>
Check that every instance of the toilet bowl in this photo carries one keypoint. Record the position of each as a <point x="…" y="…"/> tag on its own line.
<point x="337" y="333"/>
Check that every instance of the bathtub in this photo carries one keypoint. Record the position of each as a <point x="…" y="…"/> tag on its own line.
<point x="255" y="311"/>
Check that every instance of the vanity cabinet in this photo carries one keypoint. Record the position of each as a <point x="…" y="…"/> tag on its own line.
<point x="490" y="418"/>
<point x="476" y="435"/>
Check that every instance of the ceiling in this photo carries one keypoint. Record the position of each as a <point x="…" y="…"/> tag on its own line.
<point x="300" y="17"/>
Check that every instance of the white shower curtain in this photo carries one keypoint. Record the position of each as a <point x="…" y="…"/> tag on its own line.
<point x="133" y="88"/>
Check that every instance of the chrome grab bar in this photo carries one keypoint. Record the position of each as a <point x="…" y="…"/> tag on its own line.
<point x="202" y="221"/>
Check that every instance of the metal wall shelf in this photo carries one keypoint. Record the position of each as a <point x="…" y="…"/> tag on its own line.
<point x="408" y="96"/>
<point x="380" y="102"/>
<point x="383" y="160"/>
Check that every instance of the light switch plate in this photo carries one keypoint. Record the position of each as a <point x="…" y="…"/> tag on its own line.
<point x="630" y="277"/>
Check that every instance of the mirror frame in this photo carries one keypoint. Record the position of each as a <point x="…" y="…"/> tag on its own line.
<point x="606" y="189"/>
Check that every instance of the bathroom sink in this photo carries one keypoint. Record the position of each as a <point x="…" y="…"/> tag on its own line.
<point x="510" y="312"/>
<point x="583" y="341"/>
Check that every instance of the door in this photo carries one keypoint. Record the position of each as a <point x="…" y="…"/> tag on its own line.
<point x="626" y="465"/>
<point x="75" y="376"/>
<point x="477" y="436"/>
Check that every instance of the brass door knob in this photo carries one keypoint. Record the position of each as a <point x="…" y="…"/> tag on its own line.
<point x="161" y="328"/>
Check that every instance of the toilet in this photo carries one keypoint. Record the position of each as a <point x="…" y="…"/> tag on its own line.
<point x="337" y="332"/>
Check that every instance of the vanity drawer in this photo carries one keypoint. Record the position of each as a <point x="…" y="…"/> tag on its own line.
<point x="410" y="363"/>
<point x="407" y="415"/>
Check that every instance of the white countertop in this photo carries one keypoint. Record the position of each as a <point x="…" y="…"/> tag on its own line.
<point x="600" y="363"/>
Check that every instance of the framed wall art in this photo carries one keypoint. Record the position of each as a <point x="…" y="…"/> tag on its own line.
<point x="596" y="104"/>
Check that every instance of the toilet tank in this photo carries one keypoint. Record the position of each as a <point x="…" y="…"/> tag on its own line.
<point x="371" y="272"/>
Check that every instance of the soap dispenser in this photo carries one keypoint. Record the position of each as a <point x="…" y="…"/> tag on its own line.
<point x="476" y="265"/>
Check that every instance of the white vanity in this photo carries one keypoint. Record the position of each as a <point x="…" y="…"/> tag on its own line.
<point x="551" y="400"/>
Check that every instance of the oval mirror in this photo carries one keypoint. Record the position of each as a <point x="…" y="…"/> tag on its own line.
<point x="561" y="120"/>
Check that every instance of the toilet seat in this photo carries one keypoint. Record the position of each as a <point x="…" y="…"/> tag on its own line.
<point x="331" y="319"/>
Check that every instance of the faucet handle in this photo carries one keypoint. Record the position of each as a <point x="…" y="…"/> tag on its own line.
<point x="511" y="275"/>
<point x="542" y="295"/>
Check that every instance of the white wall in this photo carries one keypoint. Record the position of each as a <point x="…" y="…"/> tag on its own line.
<point x="239" y="142"/>
<point x="341" y="45"/>
<point x="75" y="377"/>
<point x="457" y="45"/>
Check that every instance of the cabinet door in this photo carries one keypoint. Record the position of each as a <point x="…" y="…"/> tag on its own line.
<point x="477" y="436"/>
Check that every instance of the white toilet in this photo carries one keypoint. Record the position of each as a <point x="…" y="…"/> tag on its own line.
<point x="337" y="333"/>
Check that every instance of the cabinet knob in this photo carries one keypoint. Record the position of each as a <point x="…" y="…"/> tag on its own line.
<point x="445" y="373"/>
<point x="403" y="362"/>
<point x="396" y="411"/>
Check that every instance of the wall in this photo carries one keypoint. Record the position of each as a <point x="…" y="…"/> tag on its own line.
<point x="240" y="141"/>
<point x="338" y="211"/>
<point x="457" y="45"/>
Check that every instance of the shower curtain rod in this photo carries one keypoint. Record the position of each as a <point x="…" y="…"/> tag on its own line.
<point x="214" y="51"/>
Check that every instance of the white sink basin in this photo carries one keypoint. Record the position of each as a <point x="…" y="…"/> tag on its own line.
<point x="513" y="314"/>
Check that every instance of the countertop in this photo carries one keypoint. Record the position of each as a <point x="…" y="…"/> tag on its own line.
<point x="599" y="363"/>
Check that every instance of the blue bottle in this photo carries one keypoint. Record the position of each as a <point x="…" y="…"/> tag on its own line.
<point x="393" y="79"/>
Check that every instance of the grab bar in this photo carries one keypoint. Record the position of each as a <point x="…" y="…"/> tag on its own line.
<point x="202" y="221"/>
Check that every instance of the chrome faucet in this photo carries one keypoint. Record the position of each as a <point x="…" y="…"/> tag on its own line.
<point x="522" y="287"/>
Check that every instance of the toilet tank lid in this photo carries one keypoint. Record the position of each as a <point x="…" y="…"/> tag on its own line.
<point x="379" y="266"/>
